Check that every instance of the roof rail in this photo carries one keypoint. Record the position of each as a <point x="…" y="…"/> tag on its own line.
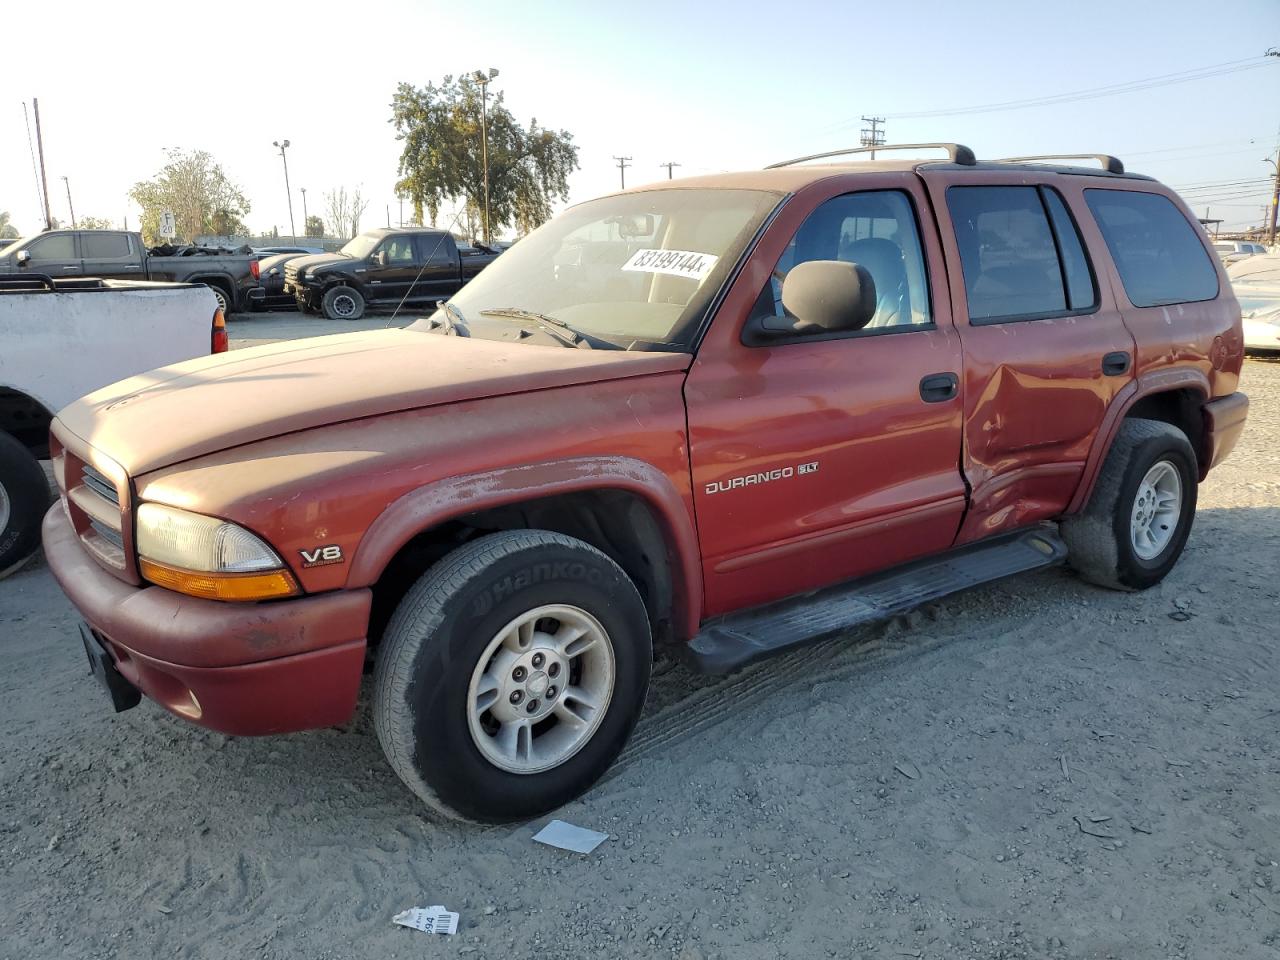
<point x="1109" y="163"/>
<point x="957" y="152"/>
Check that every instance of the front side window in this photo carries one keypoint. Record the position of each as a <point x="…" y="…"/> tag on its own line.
<point x="398" y="251"/>
<point x="875" y="229"/>
<point x="105" y="246"/>
<point x="1018" y="263"/>
<point x="1157" y="251"/>
<point x="57" y="246"/>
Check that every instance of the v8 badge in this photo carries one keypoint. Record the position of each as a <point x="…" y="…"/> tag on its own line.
<point x="322" y="556"/>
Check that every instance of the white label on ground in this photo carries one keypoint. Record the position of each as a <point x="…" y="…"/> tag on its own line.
<point x="428" y="919"/>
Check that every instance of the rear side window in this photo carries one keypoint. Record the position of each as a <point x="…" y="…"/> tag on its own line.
<point x="1021" y="254"/>
<point x="104" y="246"/>
<point x="1155" y="248"/>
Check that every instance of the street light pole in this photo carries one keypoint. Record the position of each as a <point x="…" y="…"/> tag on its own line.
<point x="72" y="208"/>
<point x="483" y="79"/>
<point x="305" y="218"/>
<point x="284" y="145"/>
<point x="1275" y="198"/>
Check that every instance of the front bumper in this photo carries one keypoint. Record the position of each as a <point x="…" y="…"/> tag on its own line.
<point x="240" y="668"/>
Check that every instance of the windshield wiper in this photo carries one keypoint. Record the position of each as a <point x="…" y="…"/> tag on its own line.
<point x="574" y="338"/>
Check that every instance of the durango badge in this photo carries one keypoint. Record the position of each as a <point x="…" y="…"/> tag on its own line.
<point x="321" y="556"/>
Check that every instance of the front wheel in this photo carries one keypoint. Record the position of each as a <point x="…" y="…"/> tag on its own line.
<point x="24" y="496"/>
<point x="1133" y="530"/>
<point x="511" y="675"/>
<point x="343" y="303"/>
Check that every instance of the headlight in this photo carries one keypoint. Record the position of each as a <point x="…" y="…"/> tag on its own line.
<point x="207" y="557"/>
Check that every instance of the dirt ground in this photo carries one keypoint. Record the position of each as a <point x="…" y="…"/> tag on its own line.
<point x="1037" y="769"/>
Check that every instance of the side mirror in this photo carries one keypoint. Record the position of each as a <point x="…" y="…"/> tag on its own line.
<point x="23" y="257"/>
<point x="380" y="258"/>
<point x="829" y="296"/>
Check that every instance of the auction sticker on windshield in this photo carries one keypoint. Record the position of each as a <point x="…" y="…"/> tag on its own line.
<point x="677" y="263"/>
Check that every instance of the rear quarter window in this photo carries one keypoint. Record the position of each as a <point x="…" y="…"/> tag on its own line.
<point x="1157" y="252"/>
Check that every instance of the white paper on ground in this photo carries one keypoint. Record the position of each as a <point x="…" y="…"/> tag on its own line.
<point x="566" y="836"/>
<point x="428" y="919"/>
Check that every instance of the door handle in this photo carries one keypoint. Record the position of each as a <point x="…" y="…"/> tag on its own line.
<point x="1114" y="364"/>
<point x="939" y="387"/>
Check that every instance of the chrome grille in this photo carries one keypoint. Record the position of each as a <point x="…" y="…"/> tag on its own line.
<point x="100" y="485"/>
<point x="112" y="537"/>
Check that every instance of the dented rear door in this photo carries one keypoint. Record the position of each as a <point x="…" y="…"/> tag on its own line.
<point x="1040" y="369"/>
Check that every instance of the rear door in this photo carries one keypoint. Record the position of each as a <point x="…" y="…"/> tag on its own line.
<point x="819" y="458"/>
<point x="1045" y="348"/>
<point x="438" y="254"/>
<point x="110" y="253"/>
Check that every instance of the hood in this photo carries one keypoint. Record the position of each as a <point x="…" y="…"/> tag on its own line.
<point x="308" y="261"/>
<point x="213" y="403"/>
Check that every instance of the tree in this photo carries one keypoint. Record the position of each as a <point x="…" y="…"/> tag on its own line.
<point x="7" y="230"/>
<point x="200" y="194"/>
<point x="344" y="211"/>
<point x="94" y="223"/>
<point x="441" y="160"/>
<point x="314" y="226"/>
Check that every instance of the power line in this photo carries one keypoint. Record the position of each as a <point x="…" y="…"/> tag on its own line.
<point x="669" y="164"/>
<point x="1091" y="93"/>
<point x="872" y="136"/>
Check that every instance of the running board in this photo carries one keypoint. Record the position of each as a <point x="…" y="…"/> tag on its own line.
<point x="730" y="642"/>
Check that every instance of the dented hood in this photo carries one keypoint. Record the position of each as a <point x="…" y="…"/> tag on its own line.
<point x="213" y="403"/>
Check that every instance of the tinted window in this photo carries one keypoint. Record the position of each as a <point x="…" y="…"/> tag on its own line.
<point x="58" y="246"/>
<point x="1081" y="294"/>
<point x="876" y="229"/>
<point x="104" y="246"/>
<point x="398" y="251"/>
<point x="437" y="251"/>
<point x="1007" y="253"/>
<point x="1156" y="249"/>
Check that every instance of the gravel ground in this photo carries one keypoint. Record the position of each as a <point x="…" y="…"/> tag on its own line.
<point x="1035" y="769"/>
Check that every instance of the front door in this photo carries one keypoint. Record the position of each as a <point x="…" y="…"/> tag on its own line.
<point x="818" y="458"/>
<point x="54" y="255"/>
<point x="392" y="268"/>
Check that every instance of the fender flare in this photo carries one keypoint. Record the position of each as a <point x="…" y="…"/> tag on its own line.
<point x="1146" y="385"/>
<point x="453" y="497"/>
<point x="223" y="280"/>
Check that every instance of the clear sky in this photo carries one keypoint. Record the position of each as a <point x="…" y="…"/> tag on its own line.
<point x="712" y="85"/>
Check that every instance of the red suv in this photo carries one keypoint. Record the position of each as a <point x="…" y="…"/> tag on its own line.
<point x="731" y="413"/>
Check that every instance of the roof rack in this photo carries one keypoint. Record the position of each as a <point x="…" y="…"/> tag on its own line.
<point x="1109" y="163"/>
<point x="957" y="152"/>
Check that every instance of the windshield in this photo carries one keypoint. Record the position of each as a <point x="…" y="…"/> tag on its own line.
<point x="637" y="270"/>
<point x="361" y="246"/>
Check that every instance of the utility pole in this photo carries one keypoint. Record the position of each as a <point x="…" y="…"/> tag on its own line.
<point x="622" y="169"/>
<point x="283" y="145"/>
<point x="44" y="180"/>
<point x="70" y="205"/>
<point x="483" y="78"/>
<point x="873" y="136"/>
<point x="669" y="164"/>
<point x="305" y="218"/>
<point x="1275" y="199"/>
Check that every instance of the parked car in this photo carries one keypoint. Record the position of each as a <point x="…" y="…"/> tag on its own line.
<point x="121" y="255"/>
<point x="1260" y="307"/>
<point x="66" y="338"/>
<point x="384" y="266"/>
<point x="1263" y="267"/>
<point x="270" y="293"/>
<point x="1233" y="251"/>
<point x="872" y="385"/>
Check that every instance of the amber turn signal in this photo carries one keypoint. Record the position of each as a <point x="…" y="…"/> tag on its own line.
<point x="220" y="586"/>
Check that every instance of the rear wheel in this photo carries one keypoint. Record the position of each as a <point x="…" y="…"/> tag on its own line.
<point x="1133" y="530"/>
<point x="343" y="303"/>
<point x="24" y="497"/>
<point x="511" y="675"/>
<point x="224" y="301"/>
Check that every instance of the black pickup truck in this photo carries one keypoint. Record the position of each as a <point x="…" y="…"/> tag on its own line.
<point x="121" y="255"/>
<point x="384" y="266"/>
